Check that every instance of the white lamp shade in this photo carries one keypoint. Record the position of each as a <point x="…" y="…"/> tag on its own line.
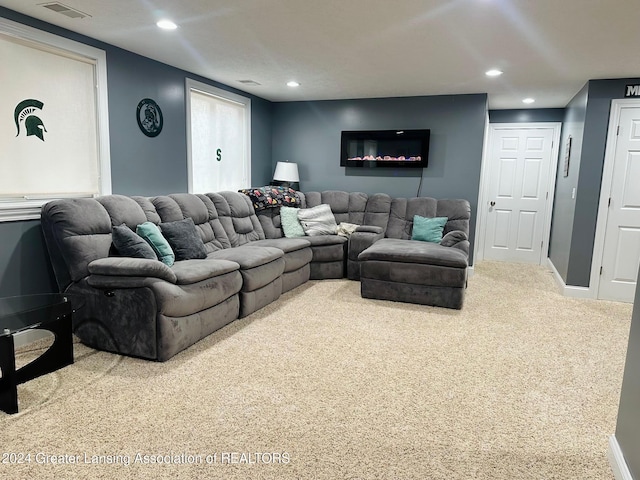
<point x="286" y="172"/>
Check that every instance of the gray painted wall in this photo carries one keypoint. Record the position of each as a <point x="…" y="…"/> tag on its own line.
<point x="601" y="92"/>
<point x="24" y="262"/>
<point x="139" y="164"/>
<point x="574" y="226"/>
<point x="527" y="115"/>
<point x="564" y="206"/>
<point x="308" y="133"/>
<point x="628" y="425"/>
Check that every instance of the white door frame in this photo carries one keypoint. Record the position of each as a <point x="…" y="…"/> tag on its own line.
<point x="605" y="190"/>
<point x="485" y="171"/>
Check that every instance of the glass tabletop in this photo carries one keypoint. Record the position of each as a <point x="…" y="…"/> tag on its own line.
<point x="31" y="311"/>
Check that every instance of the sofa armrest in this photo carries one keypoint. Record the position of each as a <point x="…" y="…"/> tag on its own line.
<point x="360" y="240"/>
<point x="131" y="267"/>
<point x="456" y="239"/>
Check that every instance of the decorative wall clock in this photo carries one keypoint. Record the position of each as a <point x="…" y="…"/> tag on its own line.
<point x="149" y="117"/>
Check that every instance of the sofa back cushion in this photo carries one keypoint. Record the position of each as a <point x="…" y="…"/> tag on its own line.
<point x="122" y="209"/>
<point x="402" y="213"/>
<point x="458" y="213"/>
<point x="238" y="217"/>
<point x="172" y="208"/>
<point x="346" y="206"/>
<point x="377" y="210"/>
<point x="77" y="231"/>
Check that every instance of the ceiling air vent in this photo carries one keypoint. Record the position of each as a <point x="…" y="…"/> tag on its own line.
<point x="64" y="10"/>
<point x="252" y="83"/>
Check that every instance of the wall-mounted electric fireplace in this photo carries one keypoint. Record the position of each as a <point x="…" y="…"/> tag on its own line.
<point x="384" y="148"/>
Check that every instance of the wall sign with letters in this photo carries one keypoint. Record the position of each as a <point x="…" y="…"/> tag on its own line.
<point x="632" y="91"/>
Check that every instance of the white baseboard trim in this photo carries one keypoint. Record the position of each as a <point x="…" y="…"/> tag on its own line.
<point x="617" y="461"/>
<point x="569" y="290"/>
<point x="470" y="271"/>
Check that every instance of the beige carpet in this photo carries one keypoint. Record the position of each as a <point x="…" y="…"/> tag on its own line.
<point x="521" y="384"/>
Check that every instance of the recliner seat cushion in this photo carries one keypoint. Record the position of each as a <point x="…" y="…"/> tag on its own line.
<point x="259" y="266"/>
<point x="413" y="251"/>
<point x="297" y="252"/>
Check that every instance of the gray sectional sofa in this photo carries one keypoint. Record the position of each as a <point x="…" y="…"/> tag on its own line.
<point x="145" y="308"/>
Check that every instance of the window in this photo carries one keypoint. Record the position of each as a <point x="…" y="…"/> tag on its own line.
<point x="218" y="139"/>
<point x="54" y="138"/>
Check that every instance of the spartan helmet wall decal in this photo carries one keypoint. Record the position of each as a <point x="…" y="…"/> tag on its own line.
<point x="32" y="123"/>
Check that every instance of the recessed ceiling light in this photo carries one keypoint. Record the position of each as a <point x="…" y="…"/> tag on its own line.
<point x="528" y="100"/>
<point x="167" y="25"/>
<point x="293" y="83"/>
<point x="494" y="72"/>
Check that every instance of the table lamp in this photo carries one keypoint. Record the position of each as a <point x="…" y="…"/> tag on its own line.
<point x="286" y="173"/>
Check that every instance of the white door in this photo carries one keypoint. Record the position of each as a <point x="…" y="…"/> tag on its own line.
<point x="518" y="187"/>
<point x="621" y="254"/>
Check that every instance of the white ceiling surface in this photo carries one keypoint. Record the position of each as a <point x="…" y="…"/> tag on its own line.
<point x="337" y="49"/>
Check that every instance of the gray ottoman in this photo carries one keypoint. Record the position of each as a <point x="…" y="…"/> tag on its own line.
<point x="413" y="272"/>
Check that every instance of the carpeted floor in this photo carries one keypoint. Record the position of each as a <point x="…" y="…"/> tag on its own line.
<point x="521" y="384"/>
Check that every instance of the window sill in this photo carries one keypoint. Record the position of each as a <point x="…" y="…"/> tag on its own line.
<point x="17" y="211"/>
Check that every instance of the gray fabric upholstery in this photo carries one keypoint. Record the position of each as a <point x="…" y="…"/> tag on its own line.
<point x="297" y="256"/>
<point x="127" y="320"/>
<point x="123" y="209"/>
<point x="238" y="217"/>
<point x="177" y="334"/>
<point x="199" y="208"/>
<point x="378" y="210"/>
<point x="359" y="241"/>
<point x="379" y="216"/>
<point x="396" y="267"/>
<point x="447" y="297"/>
<point x="326" y="270"/>
<point x="77" y="231"/>
<point x="133" y="301"/>
<point x="346" y="206"/>
<point x="413" y="271"/>
<point x="144" y="308"/>
<point x="261" y="269"/>
<point x="132" y="267"/>
<point x="414" y="252"/>
<point x="252" y="301"/>
<point x="295" y="278"/>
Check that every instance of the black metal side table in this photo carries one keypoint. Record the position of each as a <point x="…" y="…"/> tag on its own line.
<point x="50" y="312"/>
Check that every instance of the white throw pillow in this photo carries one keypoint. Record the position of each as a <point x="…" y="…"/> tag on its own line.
<point x="318" y="220"/>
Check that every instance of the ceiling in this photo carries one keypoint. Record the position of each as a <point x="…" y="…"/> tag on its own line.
<point x="336" y="49"/>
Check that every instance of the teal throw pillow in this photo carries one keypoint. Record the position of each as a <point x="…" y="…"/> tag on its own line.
<point x="428" y="229"/>
<point x="152" y="235"/>
<point x="290" y="224"/>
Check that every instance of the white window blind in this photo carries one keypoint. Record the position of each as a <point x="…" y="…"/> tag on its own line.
<point x="53" y="121"/>
<point x="219" y="139"/>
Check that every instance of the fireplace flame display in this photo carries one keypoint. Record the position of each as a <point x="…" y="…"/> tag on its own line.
<point x="386" y="158"/>
<point x="384" y="148"/>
